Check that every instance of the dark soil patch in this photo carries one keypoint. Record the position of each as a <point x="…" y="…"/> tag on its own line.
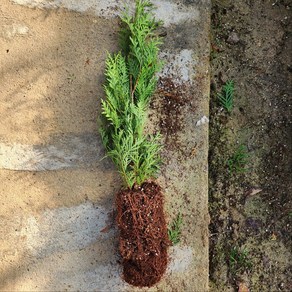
<point x="170" y="103"/>
<point x="172" y="100"/>
<point x="143" y="237"/>
<point x="251" y="45"/>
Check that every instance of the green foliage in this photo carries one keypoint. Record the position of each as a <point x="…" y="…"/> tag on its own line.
<point x="226" y="97"/>
<point x="174" y="232"/>
<point x="239" y="261"/>
<point x="237" y="162"/>
<point x="131" y="81"/>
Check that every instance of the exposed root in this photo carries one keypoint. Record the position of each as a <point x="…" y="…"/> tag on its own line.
<point x="143" y="237"/>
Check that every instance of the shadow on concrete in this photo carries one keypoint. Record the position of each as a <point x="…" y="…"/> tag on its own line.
<point x="52" y="82"/>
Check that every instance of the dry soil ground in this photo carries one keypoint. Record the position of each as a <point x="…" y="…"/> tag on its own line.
<point x="251" y="212"/>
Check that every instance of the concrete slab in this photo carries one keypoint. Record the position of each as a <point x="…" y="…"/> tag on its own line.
<point x="63" y="151"/>
<point x="57" y="195"/>
<point x="171" y="12"/>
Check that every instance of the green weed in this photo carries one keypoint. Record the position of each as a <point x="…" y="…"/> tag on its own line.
<point x="213" y="54"/>
<point x="239" y="261"/>
<point x="237" y="162"/>
<point x="226" y="97"/>
<point x="71" y="78"/>
<point x="174" y="232"/>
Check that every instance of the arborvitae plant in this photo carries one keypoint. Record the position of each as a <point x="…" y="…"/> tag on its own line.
<point x="226" y="97"/>
<point x="130" y="82"/>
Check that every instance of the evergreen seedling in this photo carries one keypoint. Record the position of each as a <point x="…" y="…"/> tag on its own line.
<point x="226" y="97"/>
<point x="130" y="82"/>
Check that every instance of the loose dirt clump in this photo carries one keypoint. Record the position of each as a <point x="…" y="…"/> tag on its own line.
<point x="170" y="103"/>
<point x="143" y="238"/>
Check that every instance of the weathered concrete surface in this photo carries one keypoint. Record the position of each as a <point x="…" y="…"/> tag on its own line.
<point x="57" y="195"/>
<point x="171" y="12"/>
<point x="63" y="151"/>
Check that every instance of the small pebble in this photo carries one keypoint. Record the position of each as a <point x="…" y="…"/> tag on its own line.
<point x="233" y="38"/>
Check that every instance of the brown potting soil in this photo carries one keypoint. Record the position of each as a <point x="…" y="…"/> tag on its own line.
<point x="143" y="237"/>
<point x="172" y="99"/>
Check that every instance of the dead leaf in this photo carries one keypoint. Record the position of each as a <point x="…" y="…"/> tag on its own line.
<point x="242" y="287"/>
<point x="253" y="192"/>
<point x="273" y="236"/>
<point x="106" y="229"/>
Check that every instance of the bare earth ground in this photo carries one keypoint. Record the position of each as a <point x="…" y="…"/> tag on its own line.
<point x="251" y="211"/>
